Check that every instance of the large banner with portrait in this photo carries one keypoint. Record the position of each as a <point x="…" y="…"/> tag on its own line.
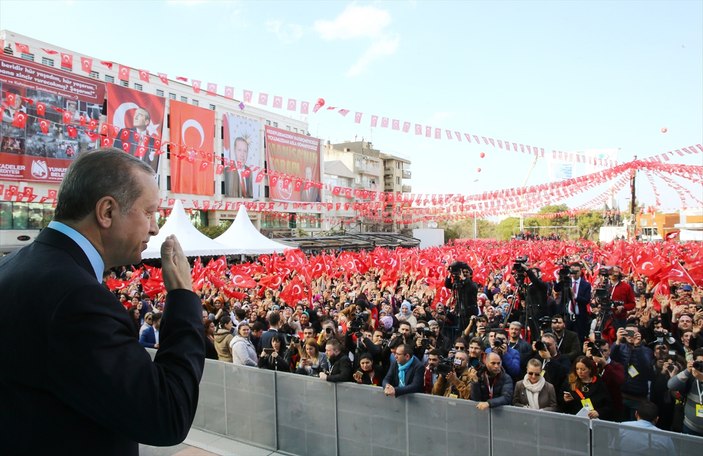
<point x="48" y="117"/>
<point x="241" y="147"/>
<point x="297" y="158"/>
<point x="136" y="121"/>
<point x="192" y="138"/>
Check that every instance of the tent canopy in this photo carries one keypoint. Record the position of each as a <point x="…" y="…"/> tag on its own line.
<point x="243" y="237"/>
<point x="193" y="242"/>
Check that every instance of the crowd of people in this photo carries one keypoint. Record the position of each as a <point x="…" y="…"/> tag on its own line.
<point x="588" y="338"/>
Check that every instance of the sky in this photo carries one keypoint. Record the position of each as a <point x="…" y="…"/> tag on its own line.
<point x="570" y="76"/>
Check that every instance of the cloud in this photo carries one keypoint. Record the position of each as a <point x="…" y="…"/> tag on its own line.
<point x="287" y="33"/>
<point x="361" y="22"/>
<point x="379" y="48"/>
<point x="186" y="2"/>
<point x="354" y="22"/>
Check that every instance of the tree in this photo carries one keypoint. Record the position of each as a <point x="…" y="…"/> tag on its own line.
<point x="507" y="227"/>
<point x="213" y="231"/>
<point x="589" y="224"/>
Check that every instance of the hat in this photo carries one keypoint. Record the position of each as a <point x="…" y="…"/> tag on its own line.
<point x="387" y="322"/>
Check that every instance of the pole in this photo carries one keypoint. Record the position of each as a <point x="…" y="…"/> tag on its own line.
<point x="632" y="201"/>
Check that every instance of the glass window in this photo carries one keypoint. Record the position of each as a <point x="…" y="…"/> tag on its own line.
<point x="29" y="57"/>
<point x="138" y="86"/>
<point x="95" y="75"/>
<point x="195" y="102"/>
<point x="212" y="107"/>
<point x="172" y="96"/>
<point x="20" y="216"/>
<point x="159" y="92"/>
<point x="124" y="83"/>
<point x="47" y="61"/>
<point x="184" y="99"/>
<point x="36" y="216"/>
<point x="109" y="78"/>
<point x="5" y="215"/>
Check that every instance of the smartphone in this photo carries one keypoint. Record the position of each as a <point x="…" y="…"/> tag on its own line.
<point x="630" y="333"/>
<point x="268" y="350"/>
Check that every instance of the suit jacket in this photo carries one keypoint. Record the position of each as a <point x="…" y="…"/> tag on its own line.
<point x="149" y="157"/>
<point x="546" y="399"/>
<point x="413" y="378"/>
<point x="148" y="337"/>
<point x="83" y="379"/>
<point x="583" y="296"/>
<point x="233" y="184"/>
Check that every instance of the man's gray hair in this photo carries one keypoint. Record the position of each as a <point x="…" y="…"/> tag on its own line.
<point x="96" y="174"/>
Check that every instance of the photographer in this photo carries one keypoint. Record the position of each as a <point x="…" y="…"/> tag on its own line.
<point x="638" y="360"/>
<point x="457" y="381"/>
<point x="364" y="344"/>
<point x="464" y="291"/>
<point x="611" y="372"/>
<point x="690" y="384"/>
<point x="535" y="298"/>
<point x="510" y="357"/>
<point x="668" y="364"/>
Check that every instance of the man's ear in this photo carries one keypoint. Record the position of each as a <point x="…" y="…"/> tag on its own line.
<point x="105" y="209"/>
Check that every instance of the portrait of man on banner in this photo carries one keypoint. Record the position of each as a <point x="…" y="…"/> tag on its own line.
<point x="242" y="152"/>
<point x="192" y="133"/>
<point x="138" y="116"/>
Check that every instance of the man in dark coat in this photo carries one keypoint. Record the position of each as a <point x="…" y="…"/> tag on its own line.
<point x="405" y="374"/>
<point x="83" y="379"/>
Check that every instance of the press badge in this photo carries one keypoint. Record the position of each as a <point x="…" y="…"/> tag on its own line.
<point x="454" y="396"/>
<point x="587" y="404"/>
<point x="632" y="371"/>
<point x="699" y="410"/>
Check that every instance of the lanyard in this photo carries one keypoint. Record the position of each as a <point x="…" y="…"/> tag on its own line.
<point x="489" y="385"/>
<point x="700" y="394"/>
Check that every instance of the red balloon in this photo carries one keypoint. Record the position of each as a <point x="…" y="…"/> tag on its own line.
<point x="664" y="130"/>
<point x="482" y="155"/>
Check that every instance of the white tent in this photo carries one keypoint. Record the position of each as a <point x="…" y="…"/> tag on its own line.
<point x="193" y="242"/>
<point x="244" y="238"/>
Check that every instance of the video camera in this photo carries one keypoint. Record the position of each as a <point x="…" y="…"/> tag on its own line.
<point x="445" y="366"/>
<point x="456" y="268"/>
<point x="360" y="319"/>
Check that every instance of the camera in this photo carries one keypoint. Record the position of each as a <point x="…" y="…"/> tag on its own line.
<point x="605" y="271"/>
<point x="595" y="351"/>
<point x="519" y="262"/>
<point x="539" y="346"/>
<point x="498" y="343"/>
<point x="359" y="321"/>
<point x="698" y="365"/>
<point x="445" y="366"/>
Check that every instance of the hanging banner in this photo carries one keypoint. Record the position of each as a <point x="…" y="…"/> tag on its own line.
<point x="241" y="148"/>
<point x="296" y="158"/>
<point x="137" y="119"/>
<point x="192" y="169"/>
<point x="38" y="143"/>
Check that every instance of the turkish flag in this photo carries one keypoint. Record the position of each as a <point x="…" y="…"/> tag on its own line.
<point x="336" y="190"/>
<point x="106" y="64"/>
<point x="229" y="92"/>
<point x="273" y="180"/>
<point x="678" y="273"/>
<point x="195" y="127"/>
<point x="10" y="98"/>
<point x="242" y="280"/>
<point x="358" y="116"/>
<point x="263" y="98"/>
<point x="259" y="177"/>
<point x="20" y="119"/>
<point x="87" y="64"/>
<point x="292" y="104"/>
<point x="196" y="86"/>
<point x="304" y="107"/>
<point x="44" y="126"/>
<point x="277" y="101"/>
<point x="66" y="60"/>
<point x="106" y="142"/>
<point x="164" y="78"/>
<point x="41" y="109"/>
<point x="144" y="75"/>
<point x="123" y="73"/>
<point x="116" y="284"/>
<point x="71" y="131"/>
<point x="297" y="185"/>
<point x="248" y="94"/>
<point x="181" y="78"/>
<point x="219" y="169"/>
<point x="211" y="88"/>
<point x="22" y="48"/>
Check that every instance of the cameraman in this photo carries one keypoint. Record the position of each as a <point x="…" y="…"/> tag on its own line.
<point x="536" y="298"/>
<point x="690" y="384"/>
<point x="457" y="382"/>
<point x="364" y="344"/>
<point x="621" y="295"/>
<point x="460" y="280"/>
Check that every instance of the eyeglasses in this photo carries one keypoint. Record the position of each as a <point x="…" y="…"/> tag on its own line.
<point x="459" y="347"/>
<point x="533" y="374"/>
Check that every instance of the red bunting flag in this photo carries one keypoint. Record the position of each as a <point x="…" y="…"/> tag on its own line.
<point x="44" y="126"/>
<point x="248" y="94"/>
<point x="87" y="64"/>
<point x="196" y="85"/>
<point x="50" y="51"/>
<point x="20" y="119"/>
<point x="181" y="78"/>
<point x="263" y="98"/>
<point x="22" y="48"/>
<point x="229" y="92"/>
<point x="304" y="107"/>
<point x="66" y="60"/>
<point x="292" y="104"/>
<point x="211" y="88"/>
<point x="107" y="64"/>
<point x="41" y="109"/>
<point x="71" y="131"/>
<point x="123" y="73"/>
<point x="277" y="101"/>
<point x="164" y="78"/>
<point x="144" y="75"/>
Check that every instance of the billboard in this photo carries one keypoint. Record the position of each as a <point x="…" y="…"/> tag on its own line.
<point x="49" y="116"/>
<point x="297" y="158"/>
<point x="241" y="147"/>
<point x="192" y="131"/>
<point x="137" y="119"/>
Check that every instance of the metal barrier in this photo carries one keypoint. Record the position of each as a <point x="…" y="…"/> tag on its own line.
<point x="303" y="415"/>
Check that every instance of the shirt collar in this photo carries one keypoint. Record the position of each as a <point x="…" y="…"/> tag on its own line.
<point x="90" y="251"/>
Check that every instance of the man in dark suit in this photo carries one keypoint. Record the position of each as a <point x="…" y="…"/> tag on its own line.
<point x="405" y="374"/>
<point x="82" y="377"/>
<point x="131" y="139"/>
<point x="581" y="295"/>
<point x="238" y="181"/>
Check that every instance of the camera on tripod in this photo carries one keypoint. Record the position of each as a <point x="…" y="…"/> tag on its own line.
<point x="457" y="267"/>
<point x="519" y="263"/>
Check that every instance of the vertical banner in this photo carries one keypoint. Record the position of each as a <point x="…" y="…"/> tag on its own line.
<point x="241" y="147"/>
<point x="138" y="119"/>
<point x="297" y="158"/>
<point x="49" y="116"/>
<point x="192" y="129"/>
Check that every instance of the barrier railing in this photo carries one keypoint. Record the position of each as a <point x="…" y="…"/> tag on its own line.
<point x="303" y="415"/>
